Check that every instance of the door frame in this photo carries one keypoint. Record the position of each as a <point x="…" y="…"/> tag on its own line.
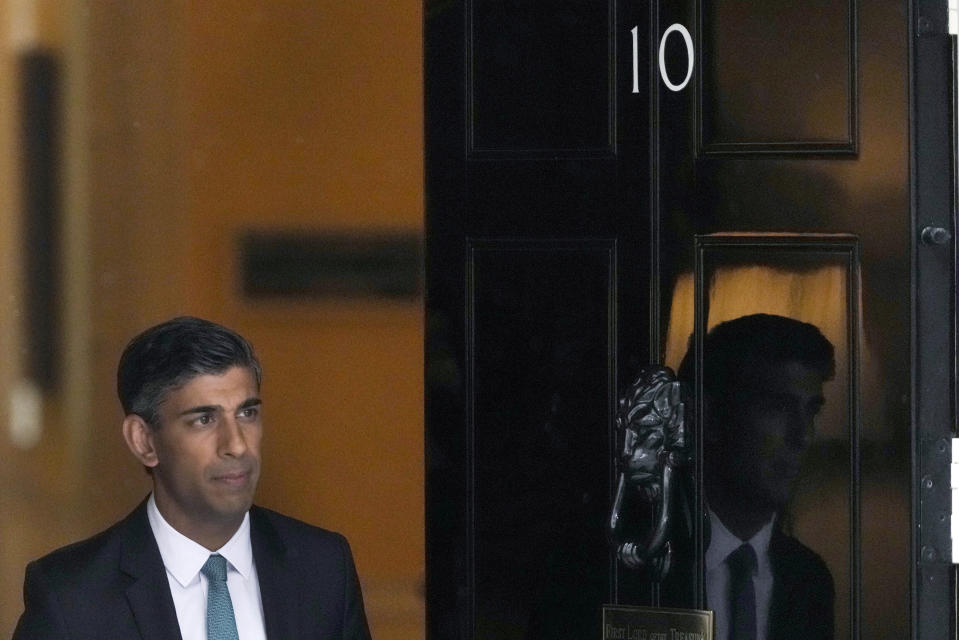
<point x="932" y="154"/>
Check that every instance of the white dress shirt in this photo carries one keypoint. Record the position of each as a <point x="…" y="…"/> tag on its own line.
<point x="722" y="542"/>
<point x="183" y="559"/>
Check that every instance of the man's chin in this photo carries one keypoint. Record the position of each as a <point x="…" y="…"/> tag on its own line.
<point x="773" y="501"/>
<point x="232" y="507"/>
<point x="764" y="499"/>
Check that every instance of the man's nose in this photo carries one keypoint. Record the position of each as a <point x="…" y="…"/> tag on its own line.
<point x="232" y="438"/>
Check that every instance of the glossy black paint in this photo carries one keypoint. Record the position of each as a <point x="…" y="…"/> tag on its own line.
<point x="518" y="175"/>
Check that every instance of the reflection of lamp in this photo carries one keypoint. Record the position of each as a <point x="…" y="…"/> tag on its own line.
<point x="26" y="415"/>
<point x="815" y="295"/>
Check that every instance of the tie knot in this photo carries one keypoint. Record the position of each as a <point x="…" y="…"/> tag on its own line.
<point x="742" y="561"/>
<point x="215" y="568"/>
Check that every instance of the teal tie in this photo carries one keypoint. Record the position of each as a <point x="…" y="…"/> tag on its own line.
<point x="220" y="622"/>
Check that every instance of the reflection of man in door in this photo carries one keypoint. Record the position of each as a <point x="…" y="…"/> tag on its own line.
<point x="762" y="383"/>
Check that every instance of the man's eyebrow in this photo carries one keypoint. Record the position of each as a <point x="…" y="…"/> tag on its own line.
<point x="207" y="408"/>
<point x="213" y="408"/>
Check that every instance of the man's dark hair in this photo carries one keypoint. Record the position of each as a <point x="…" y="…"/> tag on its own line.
<point x="169" y="355"/>
<point x="736" y="348"/>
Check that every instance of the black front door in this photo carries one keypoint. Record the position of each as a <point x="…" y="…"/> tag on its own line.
<point x="607" y="182"/>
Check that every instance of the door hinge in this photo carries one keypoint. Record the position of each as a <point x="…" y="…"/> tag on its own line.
<point x="931" y="22"/>
<point x="954" y="486"/>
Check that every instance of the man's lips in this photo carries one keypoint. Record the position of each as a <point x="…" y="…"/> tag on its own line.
<point x="233" y="478"/>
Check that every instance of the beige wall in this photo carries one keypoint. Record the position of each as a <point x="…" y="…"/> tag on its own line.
<point x="188" y="123"/>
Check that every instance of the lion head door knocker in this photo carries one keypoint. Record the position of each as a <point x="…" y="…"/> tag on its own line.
<point x="651" y="423"/>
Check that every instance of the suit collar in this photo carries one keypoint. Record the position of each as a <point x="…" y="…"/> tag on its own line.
<point x="273" y="566"/>
<point x="183" y="558"/>
<point x="722" y="542"/>
<point x="149" y="591"/>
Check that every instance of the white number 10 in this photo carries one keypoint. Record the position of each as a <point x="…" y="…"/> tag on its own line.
<point x="688" y="39"/>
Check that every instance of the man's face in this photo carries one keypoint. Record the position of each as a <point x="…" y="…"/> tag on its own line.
<point x="771" y="426"/>
<point x="208" y="450"/>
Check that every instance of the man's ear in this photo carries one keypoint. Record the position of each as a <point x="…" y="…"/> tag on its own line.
<point x="139" y="437"/>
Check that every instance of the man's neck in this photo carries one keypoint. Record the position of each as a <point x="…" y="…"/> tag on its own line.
<point x="211" y="534"/>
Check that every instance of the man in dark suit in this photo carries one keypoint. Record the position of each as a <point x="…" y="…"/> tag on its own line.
<point x="762" y="380"/>
<point x="195" y="560"/>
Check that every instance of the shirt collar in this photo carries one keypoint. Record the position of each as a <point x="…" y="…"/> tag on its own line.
<point x="184" y="558"/>
<point x="722" y="542"/>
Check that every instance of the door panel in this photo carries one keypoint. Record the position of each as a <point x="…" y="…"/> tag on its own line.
<point x="536" y="80"/>
<point x="750" y="70"/>
<point x="541" y="348"/>
<point x="791" y="434"/>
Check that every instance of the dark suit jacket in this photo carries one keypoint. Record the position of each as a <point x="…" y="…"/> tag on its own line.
<point x="803" y="594"/>
<point x="801" y="604"/>
<point x="113" y="586"/>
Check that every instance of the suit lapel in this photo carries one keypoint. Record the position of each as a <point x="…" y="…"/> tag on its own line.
<point x="782" y="607"/>
<point x="276" y="589"/>
<point x="149" y="592"/>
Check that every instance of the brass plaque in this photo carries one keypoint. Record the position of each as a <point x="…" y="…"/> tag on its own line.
<point x="648" y="623"/>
